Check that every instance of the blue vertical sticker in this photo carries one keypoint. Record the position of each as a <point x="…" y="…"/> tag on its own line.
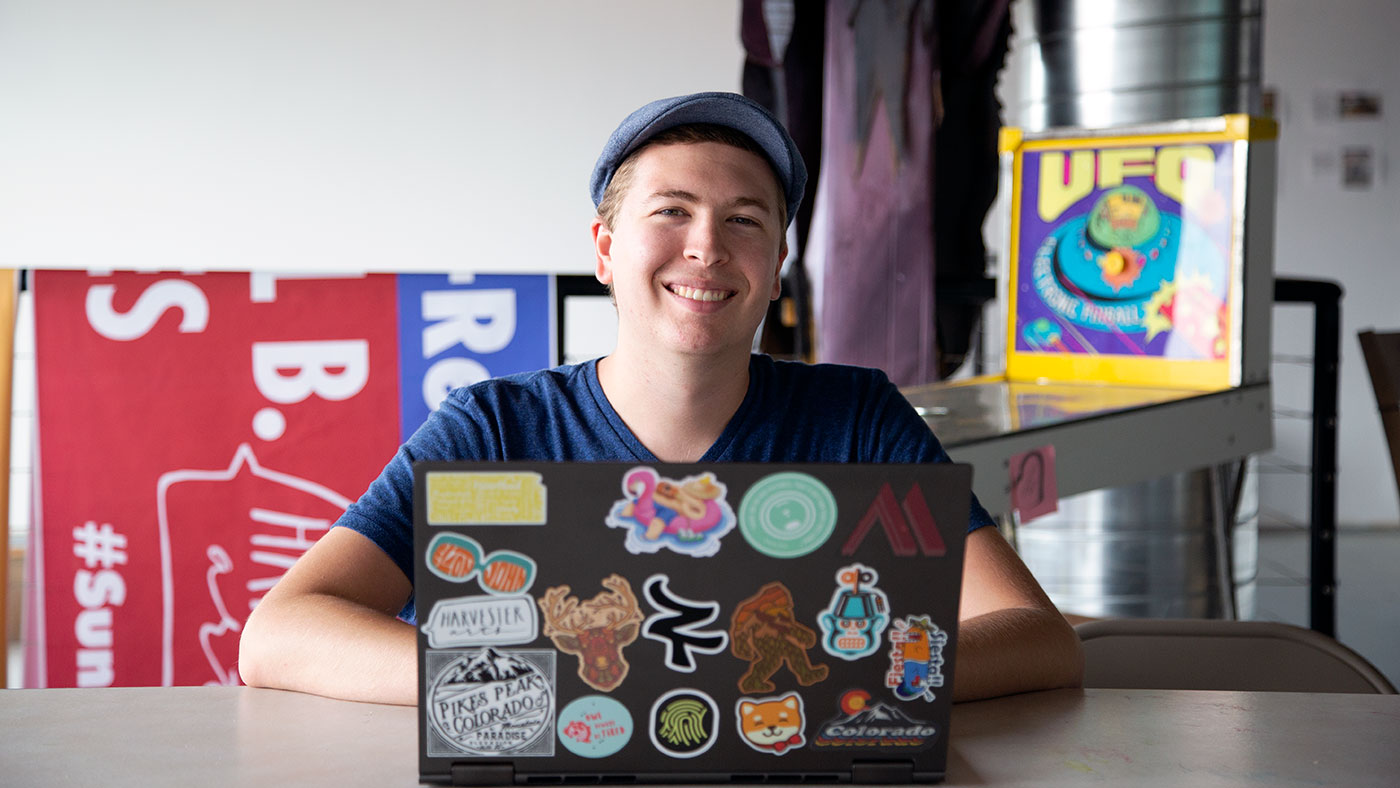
<point x="455" y="330"/>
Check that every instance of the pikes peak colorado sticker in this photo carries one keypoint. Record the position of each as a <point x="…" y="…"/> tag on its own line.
<point x="491" y="702"/>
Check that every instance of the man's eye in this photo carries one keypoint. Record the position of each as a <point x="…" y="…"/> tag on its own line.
<point x="671" y="212"/>
<point x="744" y="220"/>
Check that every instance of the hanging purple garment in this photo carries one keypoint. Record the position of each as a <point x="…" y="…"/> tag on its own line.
<point x="878" y="293"/>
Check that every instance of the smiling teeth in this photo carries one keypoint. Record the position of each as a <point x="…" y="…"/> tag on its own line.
<point x="696" y="294"/>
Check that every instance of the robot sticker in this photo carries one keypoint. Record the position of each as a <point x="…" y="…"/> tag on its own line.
<point x="677" y="624"/>
<point x="857" y="616"/>
<point x="688" y="516"/>
<point x="772" y="725"/>
<point x="764" y="630"/>
<point x="595" y="631"/>
<point x="916" y="658"/>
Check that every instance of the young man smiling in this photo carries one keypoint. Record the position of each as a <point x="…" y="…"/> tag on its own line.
<point x="693" y="196"/>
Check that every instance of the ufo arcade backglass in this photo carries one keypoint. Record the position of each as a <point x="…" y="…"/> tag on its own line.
<point x="1134" y="257"/>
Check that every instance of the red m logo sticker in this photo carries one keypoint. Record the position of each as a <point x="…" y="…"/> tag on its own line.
<point x="908" y="531"/>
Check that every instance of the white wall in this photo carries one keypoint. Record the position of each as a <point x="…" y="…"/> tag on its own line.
<point x="341" y="134"/>
<point x="1326" y="231"/>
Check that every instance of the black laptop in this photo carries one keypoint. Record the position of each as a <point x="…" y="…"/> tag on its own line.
<point x="623" y="623"/>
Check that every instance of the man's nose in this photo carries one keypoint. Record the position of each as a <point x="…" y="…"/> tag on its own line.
<point x="705" y="241"/>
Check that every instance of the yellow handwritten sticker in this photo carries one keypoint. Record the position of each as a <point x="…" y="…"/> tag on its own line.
<point x="485" y="498"/>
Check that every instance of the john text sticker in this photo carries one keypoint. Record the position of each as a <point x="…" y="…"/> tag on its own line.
<point x="457" y="559"/>
<point x="485" y="498"/>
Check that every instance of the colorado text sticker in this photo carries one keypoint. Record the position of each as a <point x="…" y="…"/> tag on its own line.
<point x="594" y="726"/>
<point x="863" y="723"/>
<point x="491" y="702"/>
<point x="595" y="630"/>
<point x="857" y="616"/>
<point x="684" y="723"/>
<point x="677" y="623"/>
<point x="765" y="631"/>
<point x="788" y="514"/>
<point x="481" y="621"/>
<point x="773" y="725"/>
<point x="688" y="516"/>
<point x="486" y="498"/>
<point x="916" y="658"/>
<point x="458" y="559"/>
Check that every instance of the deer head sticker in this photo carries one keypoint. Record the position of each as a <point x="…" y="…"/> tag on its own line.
<point x="595" y="631"/>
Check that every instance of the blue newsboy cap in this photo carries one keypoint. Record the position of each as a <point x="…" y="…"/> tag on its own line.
<point x="722" y="109"/>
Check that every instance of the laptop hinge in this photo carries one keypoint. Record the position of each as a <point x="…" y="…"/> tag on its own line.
<point x="882" y="772"/>
<point x="483" y="774"/>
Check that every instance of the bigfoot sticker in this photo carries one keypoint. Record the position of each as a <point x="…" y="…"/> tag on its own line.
<point x="765" y="631"/>
<point x="772" y="725"/>
<point x="491" y="702"/>
<point x="595" y="631"/>
<point x="916" y="658"/>
<point x="689" y="516"/>
<point x="857" y="615"/>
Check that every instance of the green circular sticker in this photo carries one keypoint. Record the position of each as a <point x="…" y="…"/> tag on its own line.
<point x="786" y="515"/>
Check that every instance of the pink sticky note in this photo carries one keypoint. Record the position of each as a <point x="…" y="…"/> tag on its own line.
<point x="1034" y="492"/>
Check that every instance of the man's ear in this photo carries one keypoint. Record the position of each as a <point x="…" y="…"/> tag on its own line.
<point x="602" y="252"/>
<point x="777" y="290"/>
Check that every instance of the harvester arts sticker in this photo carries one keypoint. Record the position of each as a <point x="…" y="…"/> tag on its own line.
<point x="774" y="725"/>
<point x="486" y="498"/>
<point x="677" y="623"/>
<point x="458" y="559"/>
<point x="594" y="726"/>
<point x="916" y="658"/>
<point x="491" y="702"/>
<point x="765" y="631"/>
<point x="684" y="723"/>
<point x="688" y="516"/>
<point x="867" y="723"/>
<point x="787" y="515"/>
<point x="857" y="616"/>
<point x="596" y="630"/>
<point x="481" y="621"/>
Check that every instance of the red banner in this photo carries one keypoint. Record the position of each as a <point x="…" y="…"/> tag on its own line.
<point x="197" y="433"/>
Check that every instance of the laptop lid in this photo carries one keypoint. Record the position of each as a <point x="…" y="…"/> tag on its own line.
<point x="613" y="623"/>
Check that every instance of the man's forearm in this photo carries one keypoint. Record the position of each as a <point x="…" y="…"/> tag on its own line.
<point x="1015" y="650"/>
<point x="330" y="646"/>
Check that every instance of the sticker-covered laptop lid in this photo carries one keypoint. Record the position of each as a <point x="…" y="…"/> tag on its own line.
<point x="606" y="622"/>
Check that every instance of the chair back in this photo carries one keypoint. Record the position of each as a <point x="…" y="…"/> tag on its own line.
<point x="1211" y="654"/>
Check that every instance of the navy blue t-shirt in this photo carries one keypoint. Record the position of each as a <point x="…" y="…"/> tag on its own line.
<point x="792" y="412"/>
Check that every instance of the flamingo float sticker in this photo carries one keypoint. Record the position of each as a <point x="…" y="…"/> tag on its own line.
<point x="688" y="516"/>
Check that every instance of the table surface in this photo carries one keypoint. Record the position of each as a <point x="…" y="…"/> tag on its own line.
<point x="236" y="736"/>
